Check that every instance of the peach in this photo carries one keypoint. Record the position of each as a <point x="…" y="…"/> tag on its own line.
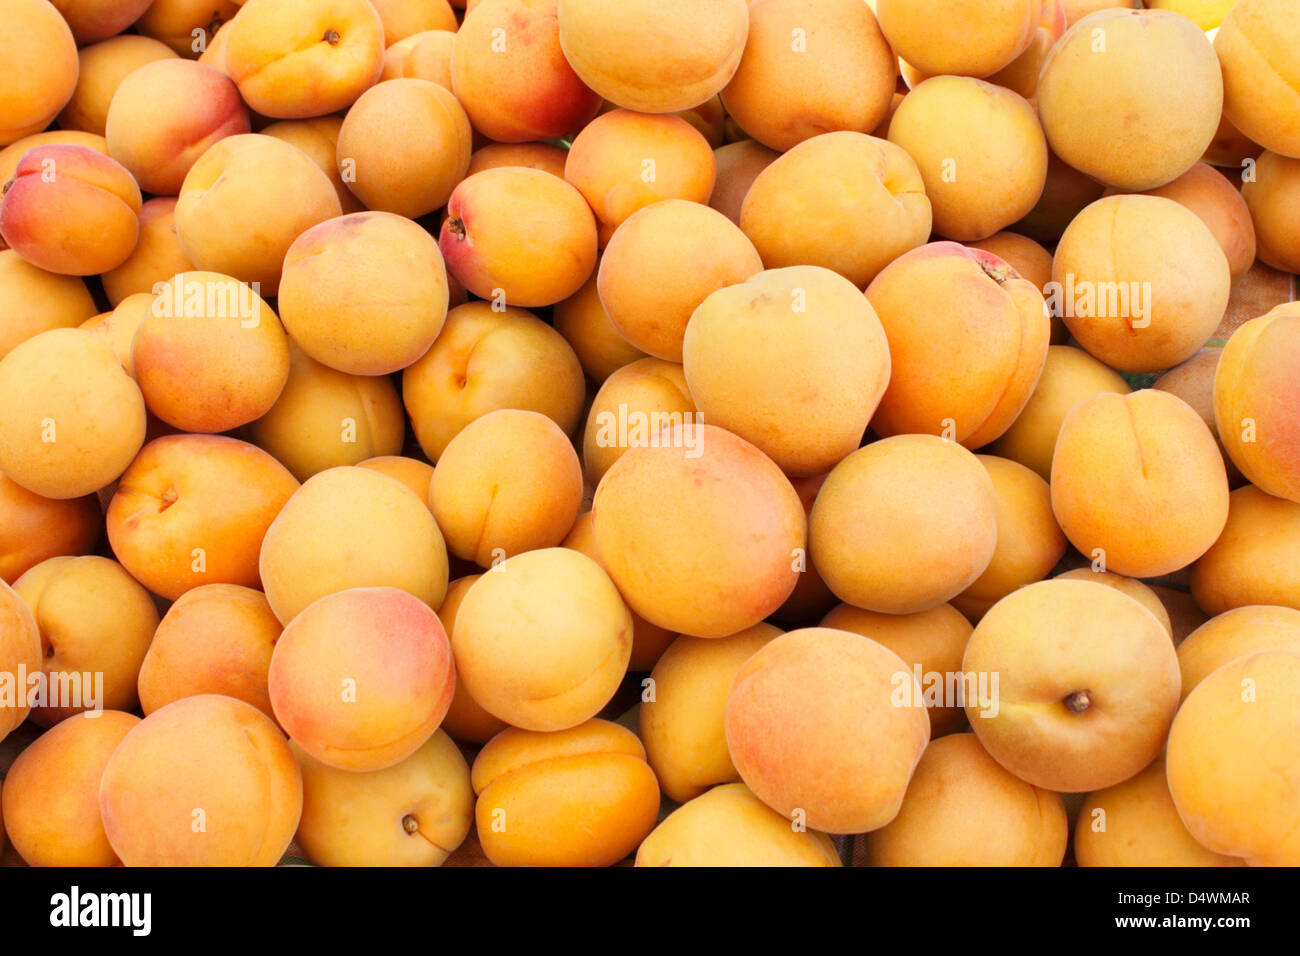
<point x="40" y="55"/>
<point x="1140" y="281"/>
<point x="582" y="796"/>
<point x="324" y="418"/>
<point x="404" y="146"/>
<point x="1138" y="484"/>
<point x="103" y="67"/>
<point x="328" y="299"/>
<point x="21" y="649"/>
<point x="165" y="115"/>
<point x="466" y="719"/>
<point x="967" y="136"/>
<point x="405" y="18"/>
<point x="421" y="56"/>
<point x="193" y="509"/>
<point x="215" y="639"/>
<point x="205" y="781"/>
<point x="225" y="218"/>
<point x="1135" y="823"/>
<point x="931" y="642"/>
<point x="95" y="623"/>
<point x="830" y="185"/>
<point x="1258" y="47"/>
<point x="51" y="794"/>
<point x="485" y="359"/>
<point x="294" y="59"/>
<point x="1271" y="194"/>
<point x="683" y="710"/>
<point x="10" y="155"/>
<point x="35" y="301"/>
<point x="187" y="26"/>
<point x="654" y="57"/>
<point x="938" y="38"/>
<point x="157" y="255"/>
<point x="415" y="474"/>
<point x="724" y="555"/>
<point x="1256" y="560"/>
<point x="738" y="165"/>
<point x="633" y="403"/>
<point x="1066" y="192"/>
<point x="1193" y="382"/>
<point x="963" y="809"/>
<point x="542" y="641"/>
<point x="508" y="71"/>
<point x="348" y="528"/>
<point x="1129" y="586"/>
<point x="414" y="813"/>
<point x="319" y="138"/>
<point x="623" y="161"/>
<point x="794" y="360"/>
<point x="816" y="729"/>
<point x="1141" y="112"/>
<point x="508" y="482"/>
<point x="1236" y="633"/>
<point x="1255" y="397"/>
<point x="968" y="337"/>
<point x="70" y="210"/>
<point x="729" y="826"/>
<point x="1087" y="685"/>
<point x="519" y="236"/>
<point x="543" y="156"/>
<point x="1232" y="760"/>
<point x="33" y="528"/>
<point x="1070" y="375"/>
<point x="587" y="327"/>
<point x="1029" y="541"/>
<point x="807" y="71"/>
<point x="73" y="418"/>
<point x="931" y="512"/>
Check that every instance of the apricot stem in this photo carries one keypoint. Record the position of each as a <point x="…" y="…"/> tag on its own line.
<point x="1078" y="702"/>
<point x="410" y="824"/>
<point x="457" y="228"/>
<point x="332" y="37"/>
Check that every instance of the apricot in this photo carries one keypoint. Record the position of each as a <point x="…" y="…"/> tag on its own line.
<point x="466" y="719"/>
<point x="165" y="115"/>
<point x="1066" y="192"/>
<point x="73" y="418"/>
<point x="117" y="328"/>
<point x="829" y="185"/>
<point x="414" y="813"/>
<point x="1029" y="541"/>
<point x="1142" y="111"/>
<point x="193" y="509"/>
<point x="816" y="731"/>
<point x="225" y="218"/>
<point x="807" y="71"/>
<point x="518" y="236"/>
<point x="1138" y="483"/>
<point x="10" y="155"/>
<point x="1254" y="388"/>
<point x="421" y="56"/>
<point x="1135" y="823"/>
<point x="967" y="136"/>
<point x="325" y="418"/>
<point x="810" y="597"/>
<point x="33" y="528"/>
<point x="71" y="210"/>
<point x="1141" y="282"/>
<point x="103" y="67"/>
<point x="95" y="623"/>
<point x="654" y="57"/>
<point x="632" y="404"/>
<point x="208" y="760"/>
<point x="543" y="156"/>
<point x="509" y="73"/>
<point x="508" y="482"/>
<point x="794" y="360"/>
<point x="1272" y="195"/>
<point x="1193" y="382"/>
<point x="931" y="510"/>
<point x="1236" y="633"/>
<point x="945" y="380"/>
<point x="587" y="327"/>
<point x="623" y="161"/>
<point x="963" y="809"/>
<point x="582" y="796"/>
<point x="1258" y="47"/>
<point x="1023" y="254"/>
<point x="937" y="38"/>
<point x="738" y="165"/>
<point x="35" y="301"/>
<point x="1087" y="685"/>
<point x="1076" y="10"/>
<point x="415" y="474"/>
<point x="1230" y="147"/>
<point x="404" y="146"/>
<point x="187" y="26"/>
<point x="1021" y="74"/>
<point x="542" y="640"/>
<point x="157" y="255"/>
<point x="1129" y="586"/>
<point x="723" y="555"/>
<point x="51" y="794"/>
<point x="349" y="528"/>
<point x="21" y="649"/>
<point x="40" y="55"/>
<point x="318" y="137"/>
<point x="1256" y="560"/>
<point x="729" y="826"/>
<point x="1232" y="762"/>
<point x="682" y="713"/>
<point x="405" y="18"/>
<point x="484" y="360"/>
